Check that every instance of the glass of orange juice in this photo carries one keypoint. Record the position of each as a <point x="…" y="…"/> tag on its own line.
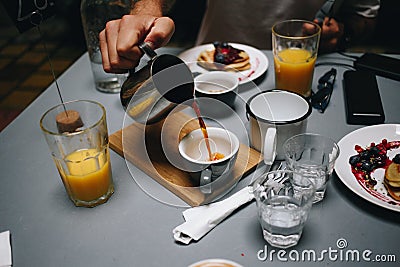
<point x="77" y="135"/>
<point x="295" y="47"/>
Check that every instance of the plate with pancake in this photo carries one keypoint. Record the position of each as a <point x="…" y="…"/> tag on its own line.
<point x="376" y="136"/>
<point x="249" y="64"/>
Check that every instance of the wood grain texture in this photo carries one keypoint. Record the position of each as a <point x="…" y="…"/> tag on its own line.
<point x="153" y="148"/>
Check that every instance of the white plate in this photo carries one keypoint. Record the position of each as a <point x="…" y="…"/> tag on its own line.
<point x="258" y="60"/>
<point x="364" y="137"/>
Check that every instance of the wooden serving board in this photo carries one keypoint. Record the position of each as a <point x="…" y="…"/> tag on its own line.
<point x="151" y="148"/>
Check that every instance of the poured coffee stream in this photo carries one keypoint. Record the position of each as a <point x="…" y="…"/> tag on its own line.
<point x="211" y="156"/>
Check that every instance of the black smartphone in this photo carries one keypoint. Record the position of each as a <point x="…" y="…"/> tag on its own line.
<point x="362" y="99"/>
<point x="385" y="66"/>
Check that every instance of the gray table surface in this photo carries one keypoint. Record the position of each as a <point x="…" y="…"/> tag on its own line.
<point x="135" y="229"/>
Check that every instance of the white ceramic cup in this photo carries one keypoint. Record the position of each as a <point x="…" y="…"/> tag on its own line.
<point x="219" y="85"/>
<point x="210" y="175"/>
<point x="276" y="115"/>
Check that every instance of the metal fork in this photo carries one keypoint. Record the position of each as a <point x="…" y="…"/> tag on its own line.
<point x="277" y="180"/>
<point x="277" y="166"/>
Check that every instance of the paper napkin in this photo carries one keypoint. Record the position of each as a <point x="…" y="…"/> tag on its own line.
<point x="5" y="249"/>
<point x="202" y="219"/>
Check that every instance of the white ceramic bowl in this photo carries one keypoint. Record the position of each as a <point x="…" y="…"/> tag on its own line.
<point x="219" y="85"/>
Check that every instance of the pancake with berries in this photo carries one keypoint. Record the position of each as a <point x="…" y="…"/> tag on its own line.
<point x="392" y="178"/>
<point x="224" y="57"/>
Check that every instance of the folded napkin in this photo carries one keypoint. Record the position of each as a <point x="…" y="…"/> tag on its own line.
<point x="5" y="249"/>
<point x="202" y="219"/>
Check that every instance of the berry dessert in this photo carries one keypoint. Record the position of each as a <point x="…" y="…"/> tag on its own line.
<point x="368" y="159"/>
<point x="224" y="57"/>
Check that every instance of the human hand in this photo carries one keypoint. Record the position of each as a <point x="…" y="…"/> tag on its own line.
<point x="332" y="33"/>
<point x="120" y="39"/>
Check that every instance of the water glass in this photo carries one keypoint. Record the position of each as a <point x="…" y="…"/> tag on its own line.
<point x="95" y="14"/>
<point x="284" y="199"/>
<point x="314" y="156"/>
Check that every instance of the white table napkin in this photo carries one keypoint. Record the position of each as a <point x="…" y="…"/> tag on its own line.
<point x="5" y="249"/>
<point x="202" y="219"/>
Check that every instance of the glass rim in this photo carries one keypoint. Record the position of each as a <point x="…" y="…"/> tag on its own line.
<point x="47" y="131"/>
<point x="335" y="144"/>
<point x="318" y="32"/>
<point x="250" y="111"/>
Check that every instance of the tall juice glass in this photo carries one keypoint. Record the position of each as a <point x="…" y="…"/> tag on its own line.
<point x="77" y="135"/>
<point x="295" y="47"/>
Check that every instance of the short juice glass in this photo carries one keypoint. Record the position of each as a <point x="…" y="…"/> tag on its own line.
<point x="295" y="47"/>
<point x="284" y="199"/>
<point x="77" y="135"/>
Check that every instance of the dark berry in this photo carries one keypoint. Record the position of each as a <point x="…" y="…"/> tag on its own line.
<point x="354" y="160"/>
<point x="380" y="163"/>
<point x="220" y="58"/>
<point x="374" y="150"/>
<point x="225" y="45"/>
<point x="365" y="154"/>
<point x="216" y="44"/>
<point x="367" y="166"/>
<point x="380" y="158"/>
<point x="396" y="159"/>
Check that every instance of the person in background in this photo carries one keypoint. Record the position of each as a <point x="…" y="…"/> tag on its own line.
<point x="354" y="23"/>
<point x="245" y="21"/>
